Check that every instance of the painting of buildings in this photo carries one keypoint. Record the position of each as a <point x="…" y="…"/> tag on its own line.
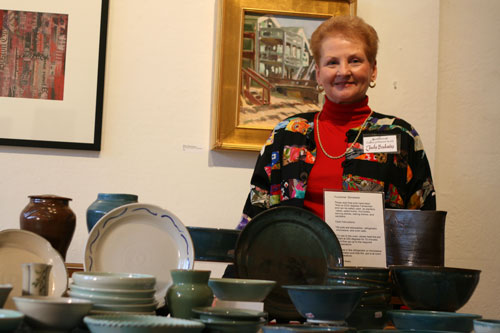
<point x="278" y="77"/>
<point x="32" y="54"/>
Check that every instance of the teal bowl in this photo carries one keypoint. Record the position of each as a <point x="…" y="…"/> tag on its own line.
<point x="432" y="320"/>
<point x="320" y="303"/>
<point x="434" y="287"/>
<point x="486" y="326"/>
<point x="242" y="290"/>
<point x="10" y="320"/>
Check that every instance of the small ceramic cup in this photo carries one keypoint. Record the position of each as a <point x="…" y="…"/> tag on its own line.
<point x="36" y="279"/>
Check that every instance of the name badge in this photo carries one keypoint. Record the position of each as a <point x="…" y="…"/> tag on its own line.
<point x="380" y="144"/>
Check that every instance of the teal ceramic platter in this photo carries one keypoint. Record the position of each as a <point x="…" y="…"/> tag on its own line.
<point x="291" y="246"/>
<point x="140" y="324"/>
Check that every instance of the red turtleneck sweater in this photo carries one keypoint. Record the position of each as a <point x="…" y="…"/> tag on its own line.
<point x="334" y="122"/>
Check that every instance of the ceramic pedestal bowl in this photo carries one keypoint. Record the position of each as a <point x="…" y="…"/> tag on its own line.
<point x="486" y="326"/>
<point x="329" y="304"/>
<point x="434" y="287"/>
<point x="432" y="320"/>
<point x="52" y="313"/>
<point x="140" y="323"/>
<point x="242" y="290"/>
<point x="5" y="290"/>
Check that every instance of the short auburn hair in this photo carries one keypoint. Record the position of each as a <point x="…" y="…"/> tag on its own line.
<point x="350" y="27"/>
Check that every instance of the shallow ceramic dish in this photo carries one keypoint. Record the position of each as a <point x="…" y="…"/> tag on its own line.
<point x="126" y="307"/>
<point x="143" y="324"/>
<point x="243" y="290"/>
<point x="10" y="320"/>
<point x="130" y="293"/>
<point x="21" y="246"/>
<point x="114" y="280"/>
<point x="52" y="313"/>
<point x="325" y="303"/>
<point x="5" y="290"/>
<point x="432" y="320"/>
<point x="228" y="314"/>
<point x="433" y="287"/>
<point x="140" y="238"/>
<point x="486" y="326"/>
<point x="304" y="328"/>
<point x="236" y="326"/>
<point x="289" y="245"/>
<point x="111" y="300"/>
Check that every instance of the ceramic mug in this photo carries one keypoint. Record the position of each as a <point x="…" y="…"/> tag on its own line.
<point x="36" y="279"/>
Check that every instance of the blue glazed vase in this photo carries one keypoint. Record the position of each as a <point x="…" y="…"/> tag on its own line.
<point x="106" y="202"/>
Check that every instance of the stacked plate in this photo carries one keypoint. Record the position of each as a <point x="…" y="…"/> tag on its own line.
<point x="116" y="292"/>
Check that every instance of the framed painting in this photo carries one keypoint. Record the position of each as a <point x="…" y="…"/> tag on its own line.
<point x="52" y="58"/>
<point x="264" y="67"/>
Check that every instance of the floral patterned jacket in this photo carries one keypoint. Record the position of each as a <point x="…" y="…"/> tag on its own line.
<point x="285" y="162"/>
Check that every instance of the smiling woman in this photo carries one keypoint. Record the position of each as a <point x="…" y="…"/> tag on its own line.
<point x="292" y="171"/>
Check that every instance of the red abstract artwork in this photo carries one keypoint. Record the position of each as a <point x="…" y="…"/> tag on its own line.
<point x="32" y="54"/>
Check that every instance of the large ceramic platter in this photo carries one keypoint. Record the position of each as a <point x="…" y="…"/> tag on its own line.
<point x="291" y="246"/>
<point x="140" y="238"/>
<point x="20" y="246"/>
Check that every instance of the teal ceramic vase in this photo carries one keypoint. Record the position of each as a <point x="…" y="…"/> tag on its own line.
<point x="106" y="202"/>
<point x="189" y="290"/>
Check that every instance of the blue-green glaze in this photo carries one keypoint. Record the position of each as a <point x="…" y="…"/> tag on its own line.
<point x="486" y="326"/>
<point x="432" y="320"/>
<point x="106" y="202"/>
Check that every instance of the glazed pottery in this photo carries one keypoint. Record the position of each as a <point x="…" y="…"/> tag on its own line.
<point x="320" y="303"/>
<point x="434" y="288"/>
<point x="114" y="280"/>
<point x="36" y="278"/>
<point x="10" y="320"/>
<point x="138" y="323"/>
<point x="432" y="320"/>
<point x="414" y="237"/>
<point x="242" y="290"/>
<point x="486" y="326"/>
<point x="189" y="290"/>
<point x="106" y="202"/>
<point x="5" y="290"/>
<point x="50" y="217"/>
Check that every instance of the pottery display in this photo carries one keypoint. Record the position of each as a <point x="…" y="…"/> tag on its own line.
<point x="414" y="237"/>
<point x="189" y="290"/>
<point x="50" y="217"/>
<point x="104" y="203"/>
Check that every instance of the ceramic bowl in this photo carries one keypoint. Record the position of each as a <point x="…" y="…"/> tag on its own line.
<point x="52" y="313"/>
<point x="486" y="326"/>
<point x="433" y="287"/>
<point x="208" y="314"/>
<point x="432" y="320"/>
<point x="243" y="290"/>
<point x="109" y="280"/>
<point x="10" y="320"/>
<point x="235" y="326"/>
<point x="110" y="299"/>
<point x="325" y="303"/>
<point x="129" y="293"/>
<point x="304" y="328"/>
<point x="5" y="290"/>
<point x="369" y="273"/>
<point x="143" y="324"/>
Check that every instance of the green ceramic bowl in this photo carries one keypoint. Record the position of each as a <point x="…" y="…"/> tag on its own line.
<point x="434" y="287"/>
<point x="432" y="320"/>
<point x="140" y="324"/>
<point x="10" y="320"/>
<point x="486" y="326"/>
<point x="320" y="303"/>
<point x="243" y="290"/>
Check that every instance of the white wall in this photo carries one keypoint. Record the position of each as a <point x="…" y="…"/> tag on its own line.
<point x="157" y="104"/>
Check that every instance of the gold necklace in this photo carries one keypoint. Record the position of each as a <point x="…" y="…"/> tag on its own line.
<point x="348" y="148"/>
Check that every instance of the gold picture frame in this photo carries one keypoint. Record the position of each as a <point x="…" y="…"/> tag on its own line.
<point x="227" y="132"/>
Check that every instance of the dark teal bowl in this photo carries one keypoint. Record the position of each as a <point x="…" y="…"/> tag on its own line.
<point x="433" y="287"/>
<point x="320" y="303"/>
<point x="432" y="320"/>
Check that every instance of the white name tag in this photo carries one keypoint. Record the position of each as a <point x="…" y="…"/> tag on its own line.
<point x="380" y="144"/>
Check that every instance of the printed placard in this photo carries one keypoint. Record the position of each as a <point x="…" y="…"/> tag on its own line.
<point x="357" y="218"/>
<point x="380" y="144"/>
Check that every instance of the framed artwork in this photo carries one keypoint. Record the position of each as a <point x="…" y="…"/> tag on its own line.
<point x="264" y="67"/>
<point x="52" y="58"/>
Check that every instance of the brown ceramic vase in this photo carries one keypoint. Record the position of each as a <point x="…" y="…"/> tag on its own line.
<point x="50" y="217"/>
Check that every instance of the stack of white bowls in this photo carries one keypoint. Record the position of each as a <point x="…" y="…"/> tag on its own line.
<point x="113" y="293"/>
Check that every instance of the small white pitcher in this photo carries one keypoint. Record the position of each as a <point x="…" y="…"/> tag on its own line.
<point x="36" y="279"/>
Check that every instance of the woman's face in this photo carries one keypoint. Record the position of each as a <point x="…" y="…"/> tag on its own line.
<point x="344" y="70"/>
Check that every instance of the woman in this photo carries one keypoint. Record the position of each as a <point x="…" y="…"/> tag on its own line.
<point x="311" y="152"/>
